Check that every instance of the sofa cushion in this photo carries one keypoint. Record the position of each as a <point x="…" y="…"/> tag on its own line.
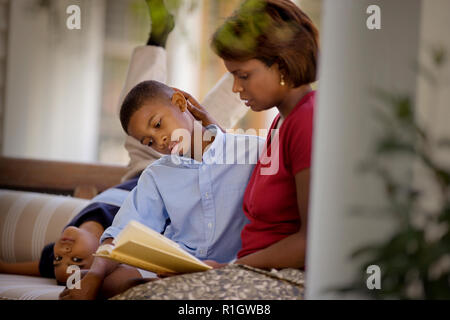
<point x="232" y="282"/>
<point x="29" y="221"/>
<point x="15" y="287"/>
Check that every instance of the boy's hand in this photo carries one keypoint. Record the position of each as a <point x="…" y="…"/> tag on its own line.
<point x="89" y="288"/>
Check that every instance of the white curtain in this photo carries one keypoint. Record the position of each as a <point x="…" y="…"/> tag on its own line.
<point x="53" y="87"/>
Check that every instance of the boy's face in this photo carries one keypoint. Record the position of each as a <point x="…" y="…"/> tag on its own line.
<point x="74" y="247"/>
<point x="154" y="122"/>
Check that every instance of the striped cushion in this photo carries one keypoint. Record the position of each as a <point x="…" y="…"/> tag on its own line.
<point x="29" y="221"/>
<point x="15" y="287"/>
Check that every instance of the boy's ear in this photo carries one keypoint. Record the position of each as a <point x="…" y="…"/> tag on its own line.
<point x="179" y="101"/>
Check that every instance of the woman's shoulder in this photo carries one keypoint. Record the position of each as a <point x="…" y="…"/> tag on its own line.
<point x="304" y="108"/>
<point x="301" y="118"/>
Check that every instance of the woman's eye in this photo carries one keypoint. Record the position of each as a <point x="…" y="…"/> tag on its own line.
<point x="243" y="77"/>
<point x="75" y="259"/>
<point x="158" y="124"/>
<point x="150" y="143"/>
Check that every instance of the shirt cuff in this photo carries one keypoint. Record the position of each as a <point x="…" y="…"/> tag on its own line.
<point x="110" y="232"/>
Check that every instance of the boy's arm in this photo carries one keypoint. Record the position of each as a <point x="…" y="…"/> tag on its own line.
<point x="143" y="204"/>
<point x="29" y="268"/>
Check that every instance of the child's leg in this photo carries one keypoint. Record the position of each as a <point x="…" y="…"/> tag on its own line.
<point x="120" y="280"/>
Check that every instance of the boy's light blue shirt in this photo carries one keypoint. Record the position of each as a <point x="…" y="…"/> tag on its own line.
<point x="196" y="204"/>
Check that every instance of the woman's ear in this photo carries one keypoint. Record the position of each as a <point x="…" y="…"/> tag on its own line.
<point x="179" y="101"/>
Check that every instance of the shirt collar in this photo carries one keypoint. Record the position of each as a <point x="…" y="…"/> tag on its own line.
<point x="214" y="150"/>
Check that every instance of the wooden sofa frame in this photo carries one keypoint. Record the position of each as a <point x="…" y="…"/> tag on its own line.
<point x="81" y="180"/>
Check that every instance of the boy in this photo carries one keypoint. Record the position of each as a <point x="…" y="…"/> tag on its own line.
<point x="195" y="201"/>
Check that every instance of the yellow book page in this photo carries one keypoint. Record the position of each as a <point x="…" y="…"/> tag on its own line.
<point x="138" y="232"/>
<point x="126" y="259"/>
<point x="155" y="260"/>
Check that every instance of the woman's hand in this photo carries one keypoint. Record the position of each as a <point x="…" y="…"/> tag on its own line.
<point x="215" y="264"/>
<point x="197" y="110"/>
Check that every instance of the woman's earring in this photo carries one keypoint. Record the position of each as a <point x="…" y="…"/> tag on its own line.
<point x="282" y="81"/>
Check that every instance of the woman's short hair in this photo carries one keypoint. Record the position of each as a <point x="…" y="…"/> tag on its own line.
<point x="272" y="31"/>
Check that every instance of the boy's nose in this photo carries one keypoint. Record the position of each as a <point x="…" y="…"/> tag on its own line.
<point x="163" y="141"/>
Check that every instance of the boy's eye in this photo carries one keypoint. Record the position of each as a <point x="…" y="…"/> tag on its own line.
<point x="243" y="77"/>
<point x="150" y="143"/>
<point x="75" y="259"/>
<point x="158" y="124"/>
<point x="57" y="258"/>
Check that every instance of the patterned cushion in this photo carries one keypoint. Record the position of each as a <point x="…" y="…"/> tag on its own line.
<point x="29" y="221"/>
<point x="232" y="282"/>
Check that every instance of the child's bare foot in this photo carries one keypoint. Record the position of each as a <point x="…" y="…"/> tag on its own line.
<point x="162" y="22"/>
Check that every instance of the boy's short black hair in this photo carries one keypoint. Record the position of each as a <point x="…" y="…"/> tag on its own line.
<point x="137" y="96"/>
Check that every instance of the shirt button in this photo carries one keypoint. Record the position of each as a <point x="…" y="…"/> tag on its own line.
<point x="206" y="195"/>
<point x="210" y="225"/>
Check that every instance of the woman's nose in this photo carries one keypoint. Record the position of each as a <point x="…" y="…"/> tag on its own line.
<point x="236" y="87"/>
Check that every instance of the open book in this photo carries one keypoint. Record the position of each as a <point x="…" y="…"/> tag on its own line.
<point x="144" y="248"/>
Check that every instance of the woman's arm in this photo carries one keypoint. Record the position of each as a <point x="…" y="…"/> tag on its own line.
<point x="29" y="268"/>
<point x="198" y="111"/>
<point x="290" y="251"/>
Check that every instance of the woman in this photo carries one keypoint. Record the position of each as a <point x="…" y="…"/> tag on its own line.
<point x="271" y="48"/>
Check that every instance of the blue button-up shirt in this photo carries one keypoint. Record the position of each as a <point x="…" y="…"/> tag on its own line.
<point x="196" y="204"/>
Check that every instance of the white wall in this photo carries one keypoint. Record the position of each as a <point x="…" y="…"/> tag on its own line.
<point x="53" y="81"/>
<point x="433" y="100"/>
<point x="4" y="6"/>
<point x="354" y="60"/>
<point x="183" y="50"/>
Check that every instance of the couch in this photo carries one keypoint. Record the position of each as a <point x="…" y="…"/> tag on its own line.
<point x="37" y="199"/>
